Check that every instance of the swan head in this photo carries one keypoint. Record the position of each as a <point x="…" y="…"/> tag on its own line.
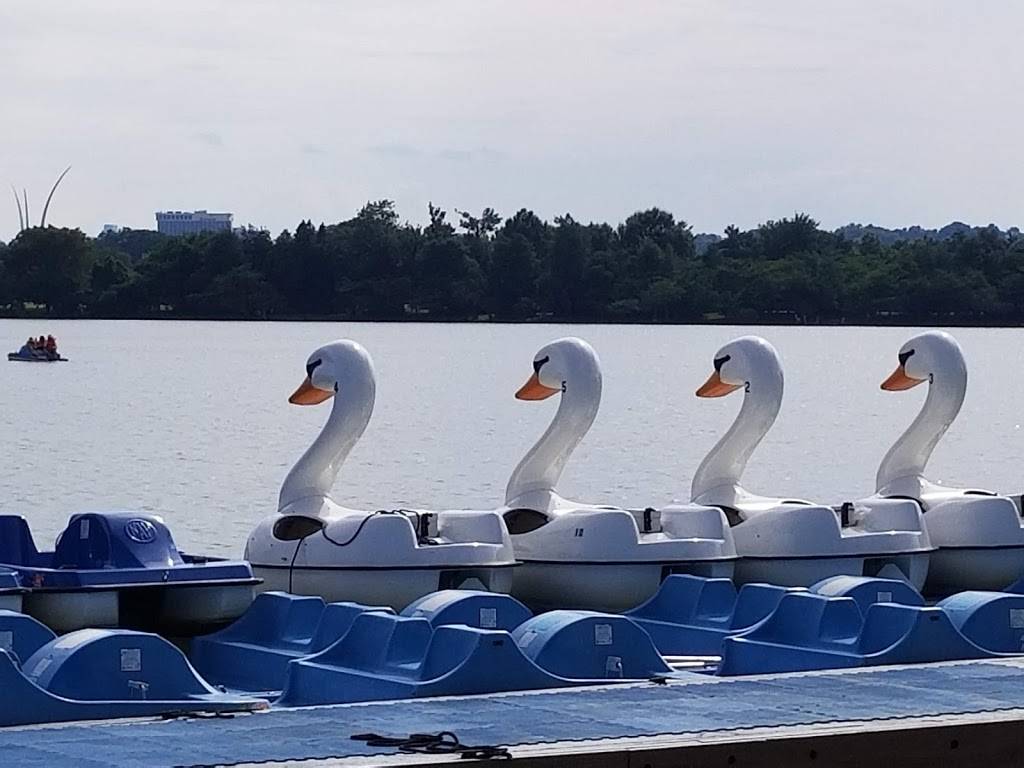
<point x="740" y="362"/>
<point x="329" y="369"/>
<point x="558" y="365"/>
<point x="922" y="357"/>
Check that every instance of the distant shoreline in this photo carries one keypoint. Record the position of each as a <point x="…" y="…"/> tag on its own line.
<point x="540" y="321"/>
<point x="648" y="270"/>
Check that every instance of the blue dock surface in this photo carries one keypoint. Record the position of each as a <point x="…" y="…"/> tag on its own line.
<point x="702" y="707"/>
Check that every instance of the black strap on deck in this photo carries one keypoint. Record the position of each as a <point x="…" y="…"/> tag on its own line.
<point x="442" y="743"/>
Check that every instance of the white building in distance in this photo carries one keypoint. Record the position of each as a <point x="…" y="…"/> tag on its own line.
<point x="190" y="223"/>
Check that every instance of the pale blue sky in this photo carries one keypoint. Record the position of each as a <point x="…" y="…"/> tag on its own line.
<point x="893" y="112"/>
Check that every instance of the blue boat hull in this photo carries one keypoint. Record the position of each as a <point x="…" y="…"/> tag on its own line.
<point x="122" y="569"/>
<point x="14" y="357"/>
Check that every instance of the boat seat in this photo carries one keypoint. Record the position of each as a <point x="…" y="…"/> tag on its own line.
<point x="690" y="615"/>
<point x="16" y="544"/>
<point x="97" y="674"/>
<point x="381" y="642"/>
<point x="867" y="590"/>
<point x="992" y="620"/>
<point x="21" y="635"/>
<point x="454" y="660"/>
<point x="336" y="620"/>
<point x="806" y="631"/>
<point x="906" y="634"/>
<point x="755" y="603"/>
<point x="833" y="637"/>
<point x="686" y="599"/>
<point x="275" y="619"/>
<point x="474" y="608"/>
<point x="115" y="540"/>
<point x="589" y="646"/>
<point x="803" y="618"/>
<point x="252" y="654"/>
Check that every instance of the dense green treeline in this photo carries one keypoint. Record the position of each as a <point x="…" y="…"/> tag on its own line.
<point x="647" y="269"/>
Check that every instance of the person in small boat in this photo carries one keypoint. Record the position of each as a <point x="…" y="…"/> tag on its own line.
<point x="51" y="347"/>
<point x="27" y="348"/>
<point x="39" y="346"/>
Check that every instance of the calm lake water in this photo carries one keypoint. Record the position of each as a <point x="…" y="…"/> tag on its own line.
<point x="191" y="420"/>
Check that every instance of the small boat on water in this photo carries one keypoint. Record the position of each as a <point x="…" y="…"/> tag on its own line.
<point x="41" y="350"/>
<point x="122" y="569"/>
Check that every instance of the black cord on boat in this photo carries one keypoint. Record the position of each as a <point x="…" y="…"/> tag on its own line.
<point x="298" y="546"/>
<point x="420" y="534"/>
<point x="354" y="535"/>
<point x="291" y="565"/>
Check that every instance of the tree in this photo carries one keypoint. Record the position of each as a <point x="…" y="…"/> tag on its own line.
<point x="568" y="266"/>
<point x="132" y="244"/>
<point x="788" y="236"/>
<point x="49" y="266"/>
<point x="514" y="275"/>
<point x="438" y="227"/>
<point x="483" y="227"/>
<point x="659" y="227"/>
<point x="109" y="275"/>
<point x="449" y="282"/>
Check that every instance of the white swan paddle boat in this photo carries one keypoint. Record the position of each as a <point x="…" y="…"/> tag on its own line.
<point x="790" y="541"/>
<point x="593" y="556"/>
<point x="314" y="546"/>
<point x="978" y="533"/>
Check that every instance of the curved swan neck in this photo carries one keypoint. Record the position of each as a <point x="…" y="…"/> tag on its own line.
<point x="314" y="473"/>
<point x="539" y="471"/>
<point x="725" y="463"/>
<point x="910" y="453"/>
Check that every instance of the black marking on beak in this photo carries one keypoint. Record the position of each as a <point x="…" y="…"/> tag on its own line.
<point x="310" y="367"/>
<point x="720" y="361"/>
<point x="904" y="356"/>
<point x="538" y="364"/>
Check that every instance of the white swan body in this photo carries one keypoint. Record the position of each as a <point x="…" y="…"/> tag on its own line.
<point x="978" y="533"/>
<point x="314" y="545"/>
<point x="785" y="540"/>
<point x="580" y="555"/>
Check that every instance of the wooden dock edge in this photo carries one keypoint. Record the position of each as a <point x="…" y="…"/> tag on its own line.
<point x="980" y="740"/>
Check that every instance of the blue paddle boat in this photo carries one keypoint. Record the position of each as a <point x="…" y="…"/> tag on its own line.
<point x="122" y="569"/>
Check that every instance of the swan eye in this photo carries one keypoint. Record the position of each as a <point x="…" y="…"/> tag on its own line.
<point x="904" y="356"/>
<point x="310" y="367"/>
<point x="538" y="364"/>
<point x="720" y="361"/>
